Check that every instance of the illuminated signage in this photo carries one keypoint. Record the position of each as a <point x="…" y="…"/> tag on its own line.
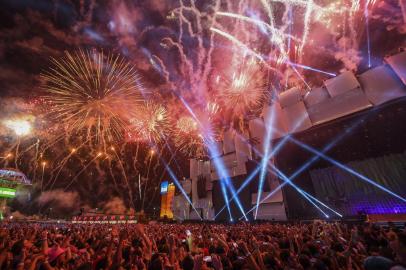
<point x="7" y="192"/>
<point x="164" y="187"/>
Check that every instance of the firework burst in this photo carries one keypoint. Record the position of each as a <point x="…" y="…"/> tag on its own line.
<point x="192" y="137"/>
<point x="150" y="123"/>
<point x="93" y="93"/>
<point x="246" y="90"/>
<point x="188" y="137"/>
<point x="21" y="127"/>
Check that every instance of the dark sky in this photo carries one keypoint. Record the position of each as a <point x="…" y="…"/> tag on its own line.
<point x="32" y="31"/>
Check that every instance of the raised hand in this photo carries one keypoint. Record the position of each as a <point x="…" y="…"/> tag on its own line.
<point x="171" y="240"/>
<point x="140" y="228"/>
<point x="198" y="262"/>
<point x="44" y="234"/>
<point x="216" y="262"/>
<point x="123" y="235"/>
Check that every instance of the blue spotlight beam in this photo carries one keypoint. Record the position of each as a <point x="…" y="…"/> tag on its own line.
<point x="175" y="180"/>
<point x="244" y="185"/>
<point x="306" y="195"/>
<point x="300" y="76"/>
<point x="366" y="14"/>
<point x="316" y="157"/>
<point x="274" y="151"/>
<point x="262" y="57"/>
<point x="312" y="69"/>
<point x="301" y="191"/>
<point x="172" y="153"/>
<point x="308" y="163"/>
<point x="220" y="168"/>
<point x="222" y="185"/>
<point x="290" y="14"/>
<point x="254" y="173"/>
<point x="267" y="155"/>
<point x="265" y="158"/>
<point x="297" y="172"/>
<point x="289" y="40"/>
<point x="280" y="173"/>
<point x="225" y="196"/>
<point x="347" y="169"/>
<point x="293" y="176"/>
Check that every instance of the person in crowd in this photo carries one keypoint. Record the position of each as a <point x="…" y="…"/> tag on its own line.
<point x="245" y="246"/>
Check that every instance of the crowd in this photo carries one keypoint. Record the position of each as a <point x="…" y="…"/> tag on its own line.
<point x="318" y="245"/>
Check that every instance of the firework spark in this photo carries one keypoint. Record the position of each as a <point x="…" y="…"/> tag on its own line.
<point x="246" y="90"/>
<point x="150" y="123"/>
<point x="20" y="127"/>
<point x="94" y="93"/>
<point x="188" y="137"/>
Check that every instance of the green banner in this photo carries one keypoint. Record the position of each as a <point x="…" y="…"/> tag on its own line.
<point x="7" y="192"/>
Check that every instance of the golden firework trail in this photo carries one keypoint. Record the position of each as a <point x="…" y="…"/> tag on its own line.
<point x="92" y="93"/>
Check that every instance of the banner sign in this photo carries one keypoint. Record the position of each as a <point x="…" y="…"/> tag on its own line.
<point x="7" y="192"/>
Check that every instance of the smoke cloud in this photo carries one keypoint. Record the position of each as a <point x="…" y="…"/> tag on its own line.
<point x="60" y="201"/>
<point x="115" y="206"/>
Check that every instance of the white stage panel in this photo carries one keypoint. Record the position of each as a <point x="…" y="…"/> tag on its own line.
<point x="228" y="141"/>
<point x="187" y="186"/>
<point x="398" y="64"/>
<point x="279" y="121"/>
<point x="290" y="97"/>
<point x="272" y="211"/>
<point x="209" y="183"/>
<point x="315" y="96"/>
<point x="381" y="85"/>
<point x="297" y="117"/>
<point x="181" y="207"/>
<point x="229" y="162"/>
<point x="257" y="131"/>
<point x="220" y="147"/>
<point x="276" y="197"/>
<point x="242" y="148"/>
<point x="194" y="168"/>
<point x="344" y="82"/>
<point x="333" y="108"/>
